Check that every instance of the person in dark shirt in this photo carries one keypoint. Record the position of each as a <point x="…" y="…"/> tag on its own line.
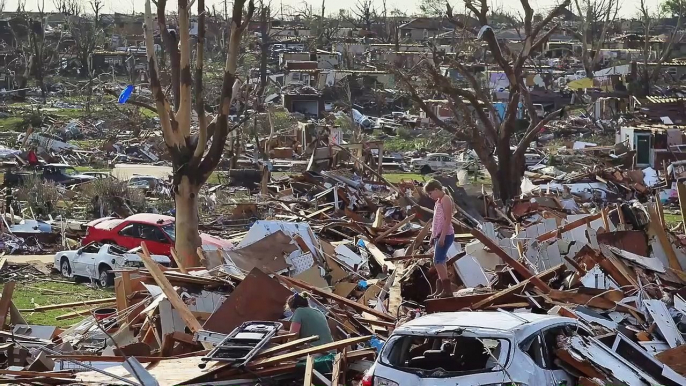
<point x="308" y="321"/>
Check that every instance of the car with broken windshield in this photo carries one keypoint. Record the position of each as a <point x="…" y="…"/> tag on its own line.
<point x="474" y="349"/>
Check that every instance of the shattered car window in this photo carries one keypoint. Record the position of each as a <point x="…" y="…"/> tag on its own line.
<point x="435" y="357"/>
<point x="170" y="230"/>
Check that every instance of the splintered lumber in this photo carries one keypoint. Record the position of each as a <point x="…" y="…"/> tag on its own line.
<point x="339" y="299"/>
<point x="169" y="290"/>
<point x="378" y="219"/>
<point x="545" y="275"/>
<point x="5" y="302"/>
<point x="568" y="227"/>
<point x="656" y="226"/>
<point x="516" y="265"/>
<point x="378" y="256"/>
<point x="395" y="227"/>
<point x="419" y="239"/>
<point x="335" y="373"/>
<point x="70" y="305"/>
<point x="307" y="351"/>
<point x="309" y="367"/>
<point x="286" y="346"/>
<point x="597" y="301"/>
<point x="76" y="314"/>
<point x="39" y="374"/>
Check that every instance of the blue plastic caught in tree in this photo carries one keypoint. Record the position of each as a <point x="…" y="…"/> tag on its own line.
<point x="124" y="96"/>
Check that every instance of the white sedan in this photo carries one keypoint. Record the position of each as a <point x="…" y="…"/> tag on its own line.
<point x="95" y="261"/>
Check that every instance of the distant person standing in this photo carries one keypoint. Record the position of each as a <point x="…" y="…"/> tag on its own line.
<point x="442" y="235"/>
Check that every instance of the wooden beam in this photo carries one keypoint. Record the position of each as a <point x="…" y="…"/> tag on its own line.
<point x="5" y="302"/>
<point x="337" y="345"/>
<point x="519" y="286"/>
<point x="335" y="373"/>
<point x="169" y="291"/>
<point x="659" y="230"/>
<point x="71" y="305"/>
<point x="285" y="346"/>
<point x="76" y="314"/>
<point x="378" y="219"/>
<point x="419" y="239"/>
<point x="339" y="299"/>
<point x="395" y="227"/>
<point x="43" y="374"/>
<point x="516" y="265"/>
<point x="378" y="256"/>
<point x="309" y="366"/>
<point x="568" y="227"/>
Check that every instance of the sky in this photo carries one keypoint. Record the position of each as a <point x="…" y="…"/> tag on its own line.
<point x="628" y="8"/>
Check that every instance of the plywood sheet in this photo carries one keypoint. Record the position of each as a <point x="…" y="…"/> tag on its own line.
<point x="258" y="297"/>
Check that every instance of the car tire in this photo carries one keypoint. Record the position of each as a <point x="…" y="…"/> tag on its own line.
<point x="426" y="169"/>
<point x="65" y="268"/>
<point x="105" y="279"/>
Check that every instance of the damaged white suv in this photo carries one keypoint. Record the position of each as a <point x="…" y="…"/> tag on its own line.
<point x="474" y="349"/>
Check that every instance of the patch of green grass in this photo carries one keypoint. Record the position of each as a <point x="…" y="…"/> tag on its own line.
<point x="11" y="123"/>
<point x="396" y="177"/>
<point x="39" y="293"/>
<point x="672" y="219"/>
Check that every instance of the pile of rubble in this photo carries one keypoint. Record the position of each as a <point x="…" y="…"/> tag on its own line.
<point x="592" y="287"/>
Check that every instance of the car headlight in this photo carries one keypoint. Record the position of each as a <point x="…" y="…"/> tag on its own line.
<point x="380" y="381"/>
<point x="133" y="264"/>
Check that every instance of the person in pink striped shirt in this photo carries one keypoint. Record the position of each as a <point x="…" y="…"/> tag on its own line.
<point x="442" y="235"/>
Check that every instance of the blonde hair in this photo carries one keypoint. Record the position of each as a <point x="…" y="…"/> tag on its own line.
<point x="432" y="185"/>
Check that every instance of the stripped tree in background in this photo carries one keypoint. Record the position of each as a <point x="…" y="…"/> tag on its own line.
<point x="490" y="135"/>
<point x="192" y="160"/>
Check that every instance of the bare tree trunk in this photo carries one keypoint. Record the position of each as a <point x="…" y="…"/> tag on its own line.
<point x="192" y="160"/>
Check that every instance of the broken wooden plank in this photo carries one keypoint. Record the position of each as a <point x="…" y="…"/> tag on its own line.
<point x="337" y="345"/>
<point x="568" y="227"/>
<point x="76" y="314"/>
<point x="339" y="299"/>
<point x="5" y="302"/>
<point x="309" y="367"/>
<point x="286" y="346"/>
<point x="395" y="227"/>
<point x="545" y="275"/>
<point x="70" y="305"/>
<point x="169" y="291"/>
<point x="378" y="256"/>
<point x="516" y="265"/>
<point x="335" y="373"/>
<point x="656" y="226"/>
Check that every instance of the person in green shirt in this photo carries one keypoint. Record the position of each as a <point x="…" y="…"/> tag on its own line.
<point x="308" y="321"/>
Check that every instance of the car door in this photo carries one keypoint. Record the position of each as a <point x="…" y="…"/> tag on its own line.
<point x="155" y="239"/>
<point x="432" y="161"/>
<point x="84" y="261"/>
<point x="129" y="236"/>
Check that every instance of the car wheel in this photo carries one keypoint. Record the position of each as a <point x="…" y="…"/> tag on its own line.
<point x="426" y="169"/>
<point x="65" y="268"/>
<point x="105" y="279"/>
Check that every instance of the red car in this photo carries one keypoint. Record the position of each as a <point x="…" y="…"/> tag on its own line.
<point x="156" y="230"/>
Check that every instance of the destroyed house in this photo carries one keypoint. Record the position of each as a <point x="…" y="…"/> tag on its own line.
<point x="654" y="144"/>
<point x="422" y="28"/>
<point x="117" y="60"/>
<point x="306" y="101"/>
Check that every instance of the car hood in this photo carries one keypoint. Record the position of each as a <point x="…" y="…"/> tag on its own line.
<point x="83" y="177"/>
<point x="156" y="258"/>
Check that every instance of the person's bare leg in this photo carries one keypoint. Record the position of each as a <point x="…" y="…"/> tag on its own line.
<point x="442" y="271"/>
